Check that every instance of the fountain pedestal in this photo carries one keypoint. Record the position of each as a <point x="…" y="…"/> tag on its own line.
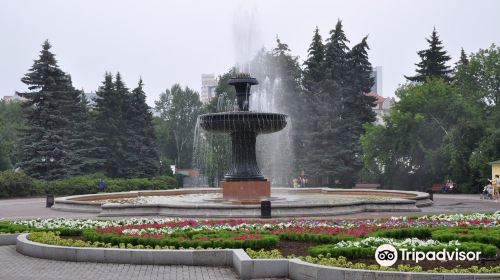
<point x="252" y="191"/>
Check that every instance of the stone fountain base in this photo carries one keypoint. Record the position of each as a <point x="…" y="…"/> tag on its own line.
<point x="208" y="203"/>
<point x="246" y="191"/>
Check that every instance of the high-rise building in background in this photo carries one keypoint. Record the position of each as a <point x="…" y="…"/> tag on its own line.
<point x="383" y="105"/>
<point x="208" y="85"/>
<point x="377" y="78"/>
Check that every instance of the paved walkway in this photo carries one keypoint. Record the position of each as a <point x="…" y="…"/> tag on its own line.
<point x="443" y="203"/>
<point x="32" y="208"/>
<point x="16" y="266"/>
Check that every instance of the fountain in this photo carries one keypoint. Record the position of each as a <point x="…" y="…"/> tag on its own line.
<point x="243" y="186"/>
<point x="244" y="182"/>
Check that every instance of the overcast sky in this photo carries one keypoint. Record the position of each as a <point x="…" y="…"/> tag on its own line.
<point x="169" y="42"/>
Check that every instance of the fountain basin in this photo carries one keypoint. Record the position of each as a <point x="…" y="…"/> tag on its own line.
<point x="256" y="122"/>
<point x="207" y="203"/>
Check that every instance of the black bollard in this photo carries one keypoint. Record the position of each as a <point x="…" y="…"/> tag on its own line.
<point x="50" y="200"/>
<point x="431" y="194"/>
<point x="265" y="209"/>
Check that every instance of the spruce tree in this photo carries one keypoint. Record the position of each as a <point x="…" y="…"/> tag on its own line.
<point x="108" y="128"/>
<point x="356" y="111"/>
<point x="463" y="59"/>
<point x="433" y="62"/>
<point x="142" y="153"/>
<point x="336" y="54"/>
<point x="360" y="83"/>
<point x="43" y="146"/>
<point x="324" y="144"/>
<point x="81" y="139"/>
<point x="314" y="71"/>
<point x="341" y="108"/>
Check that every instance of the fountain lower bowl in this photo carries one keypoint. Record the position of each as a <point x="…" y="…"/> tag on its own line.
<point x="208" y="203"/>
<point x="257" y="122"/>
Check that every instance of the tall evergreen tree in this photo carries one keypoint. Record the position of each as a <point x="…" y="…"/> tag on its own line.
<point x="463" y="59"/>
<point x="324" y="143"/>
<point x="360" y="82"/>
<point x="433" y="61"/>
<point x="142" y="153"/>
<point x="314" y="71"/>
<point x="108" y="128"/>
<point x="81" y="139"/>
<point x="336" y="54"/>
<point x="356" y="111"/>
<point x="43" y="147"/>
<point x="341" y="108"/>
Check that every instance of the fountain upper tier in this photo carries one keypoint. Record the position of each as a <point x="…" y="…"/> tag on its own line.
<point x="256" y="122"/>
<point x="243" y="126"/>
<point x="243" y="120"/>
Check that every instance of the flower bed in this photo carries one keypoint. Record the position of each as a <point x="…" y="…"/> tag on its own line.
<point x="315" y="240"/>
<point x="365" y="248"/>
<point x="183" y="239"/>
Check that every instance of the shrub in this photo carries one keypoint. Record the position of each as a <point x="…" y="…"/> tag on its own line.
<point x="14" y="184"/>
<point x="88" y="184"/>
<point x="263" y="254"/>
<point x="164" y="182"/>
<point x="402" y="233"/>
<point x="487" y="235"/>
<point x="10" y="227"/>
<point x="343" y="262"/>
<point x="314" y="237"/>
<point x="353" y="252"/>
<point x="221" y="239"/>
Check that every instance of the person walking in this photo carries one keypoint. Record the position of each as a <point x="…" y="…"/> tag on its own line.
<point x="102" y="185"/>
<point x="302" y="179"/>
<point x="495" y="182"/>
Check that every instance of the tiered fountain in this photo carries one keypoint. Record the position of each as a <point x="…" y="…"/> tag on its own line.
<point x="244" y="181"/>
<point x="244" y="186"/>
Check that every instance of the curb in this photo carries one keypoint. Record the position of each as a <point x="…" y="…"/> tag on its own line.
<point x="244" y="266"/>
<point x="236" y="258"/>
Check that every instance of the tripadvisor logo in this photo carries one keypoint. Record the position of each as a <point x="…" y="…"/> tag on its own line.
<point x="387" y="255"/>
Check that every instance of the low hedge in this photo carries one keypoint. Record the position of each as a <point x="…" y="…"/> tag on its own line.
<point x="18" y="184"/>
<point x="54" y="238"/>
<point x="330" y="250"/>
<point x="487" y="235"/>
<point x="89" y="184"/>
<point x="313" y="237"/>
<point x="223" y="239"/>
<point x="402" y="233"/>
<point x="9" y="227"/>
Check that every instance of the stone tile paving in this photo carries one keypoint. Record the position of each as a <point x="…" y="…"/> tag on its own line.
<point x="19" y="267"/>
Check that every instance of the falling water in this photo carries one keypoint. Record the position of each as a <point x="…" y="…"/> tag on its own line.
<point x="247" y="39"/>
<point x="274" y="151"/>
<point x="212" y="151"/>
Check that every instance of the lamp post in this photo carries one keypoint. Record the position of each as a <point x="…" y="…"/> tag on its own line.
<point x="50" y="197"/>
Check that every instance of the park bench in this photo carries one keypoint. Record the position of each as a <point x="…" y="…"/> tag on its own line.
<point x="366" y="186"/>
